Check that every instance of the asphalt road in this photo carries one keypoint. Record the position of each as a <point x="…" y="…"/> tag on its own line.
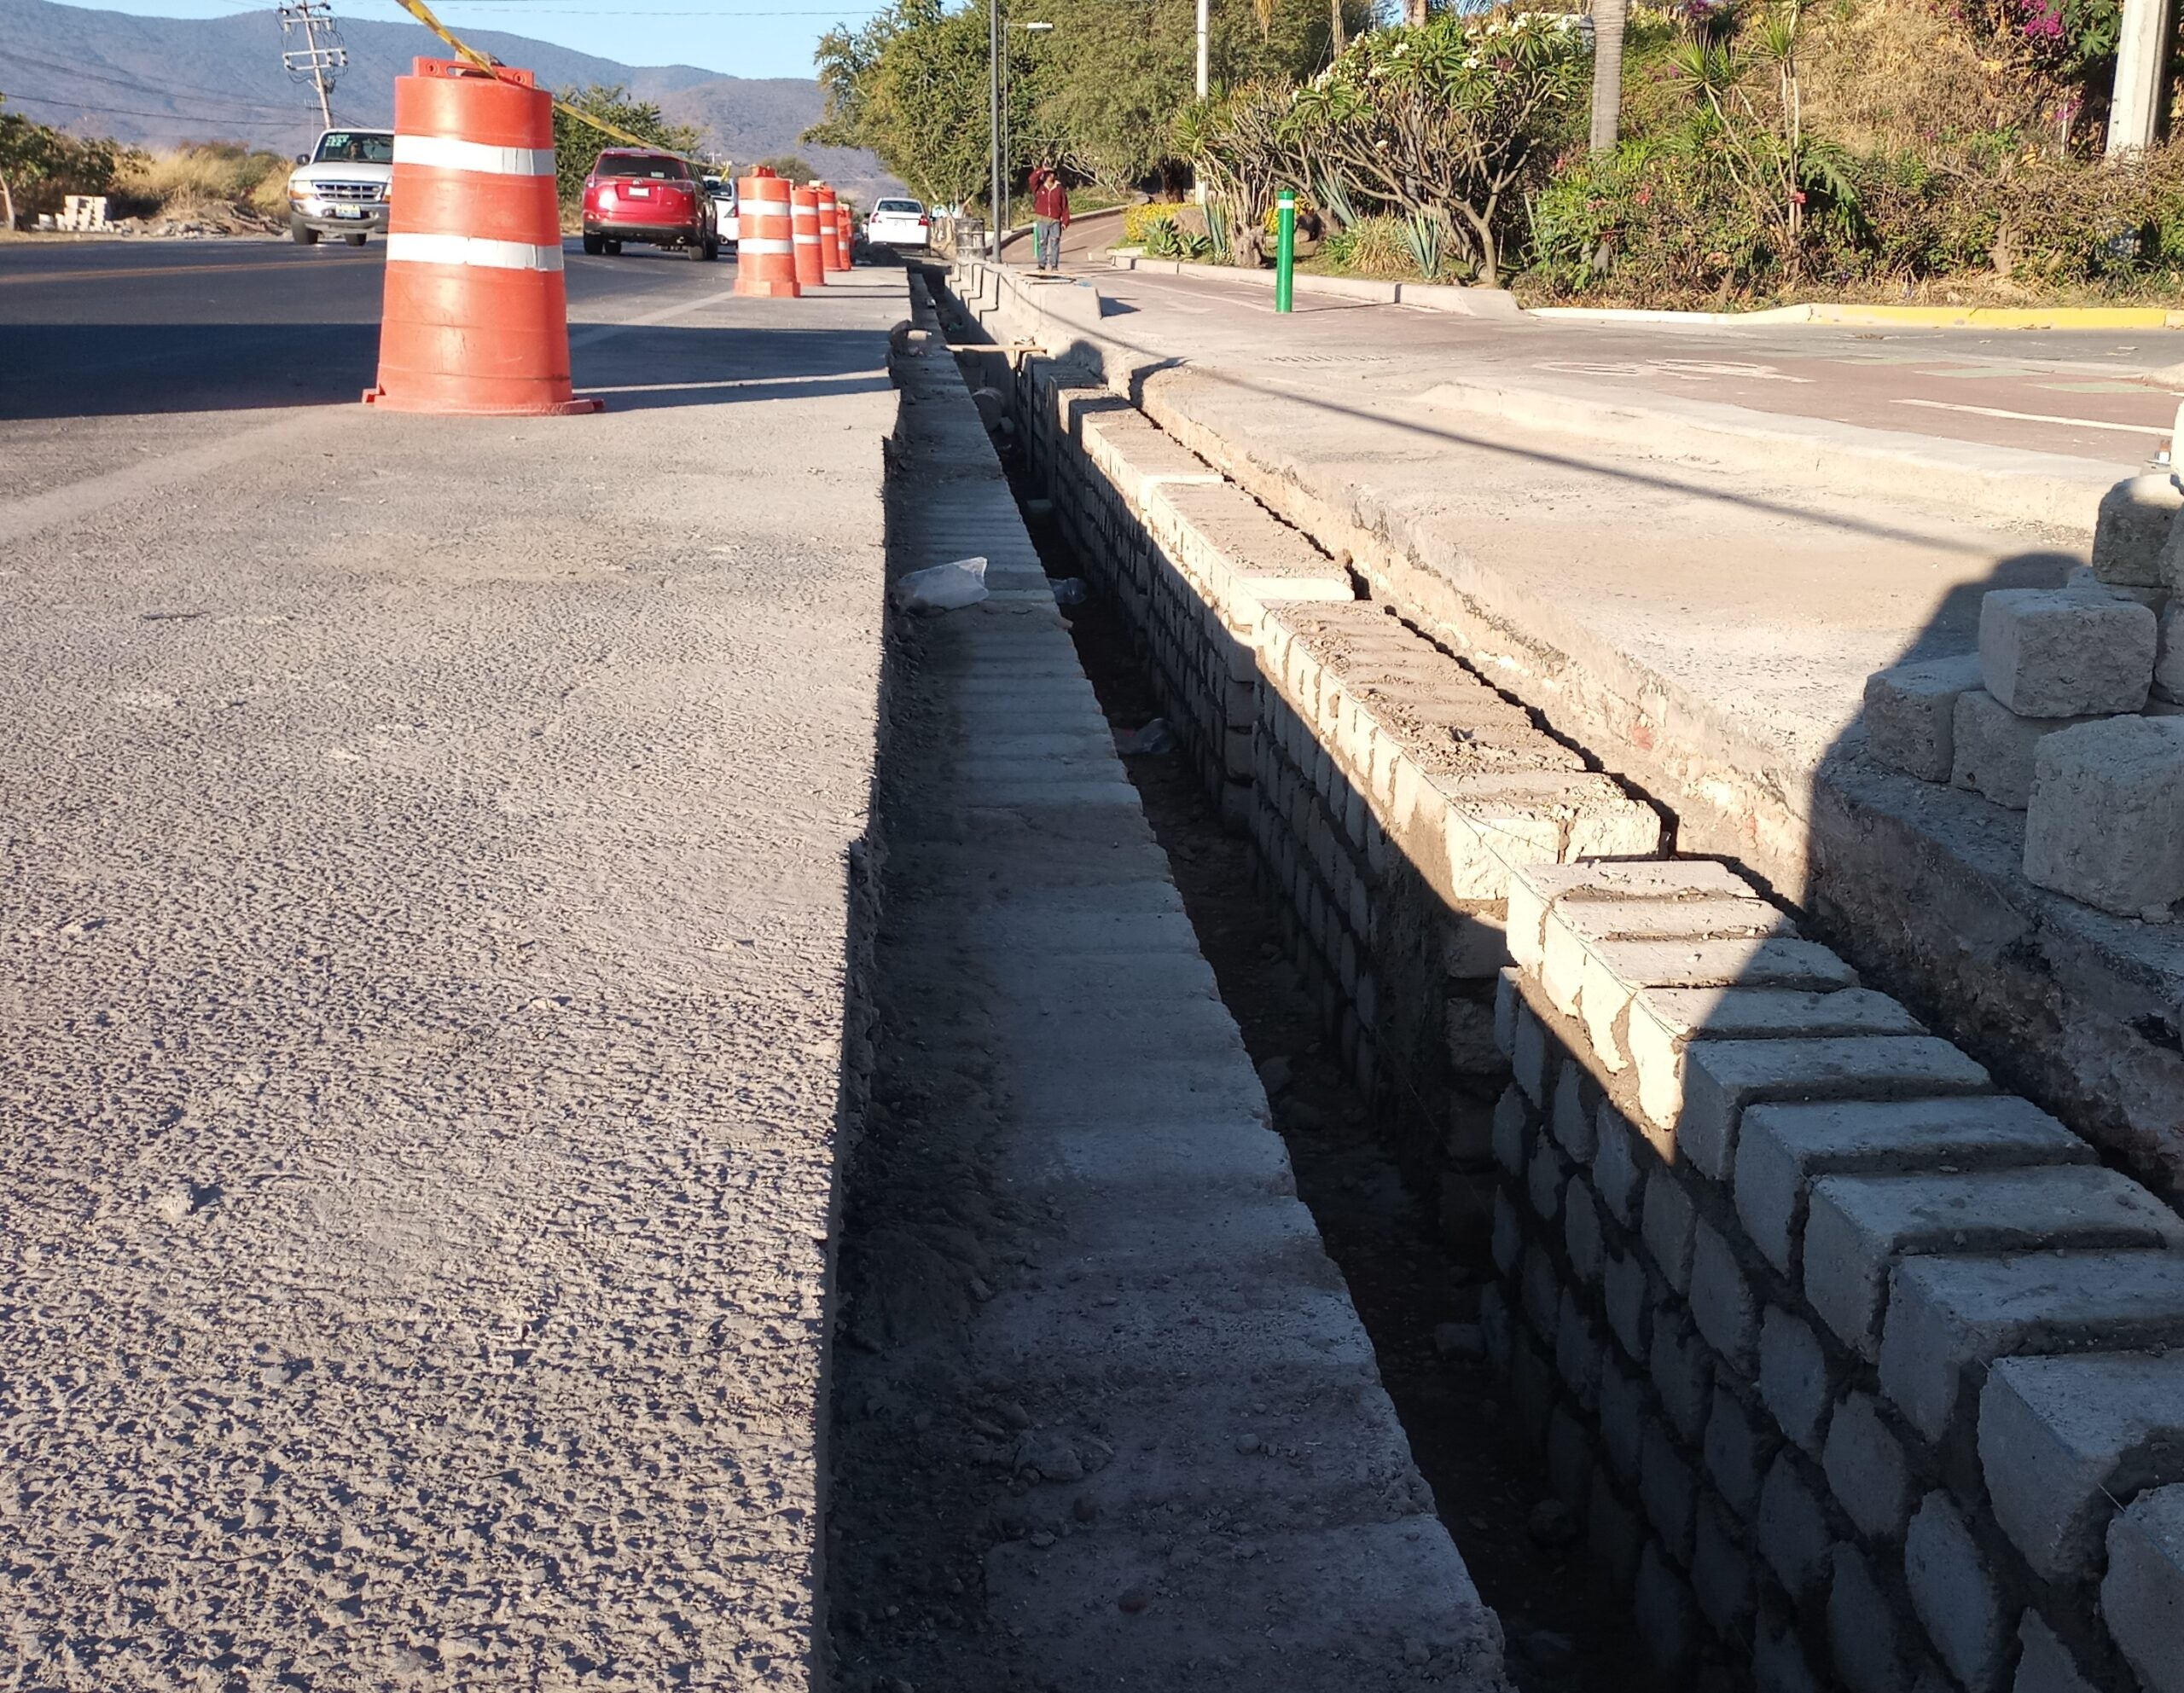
<point x="427" y="852"/>
<point x="91" y="329"/>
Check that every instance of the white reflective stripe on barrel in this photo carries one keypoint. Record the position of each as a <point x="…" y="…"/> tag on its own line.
<point x="476" y="250"/>
<point x="752" y="244"/>
<point x="807" y="241"/>
<point x="445" y="153"/>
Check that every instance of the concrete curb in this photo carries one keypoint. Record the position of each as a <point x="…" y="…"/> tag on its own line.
<point x="1426" y="296"/>
<point x="1888" y="316"/>
<point x="2006" y="483"/>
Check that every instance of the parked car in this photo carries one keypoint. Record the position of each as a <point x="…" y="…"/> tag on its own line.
<point x="727" y="214"/>
<point x="634" y="195"/>
<point x="340" y="187"/>
<point x="899" y="223"/>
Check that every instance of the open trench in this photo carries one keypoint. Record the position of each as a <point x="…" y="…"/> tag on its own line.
<point x="1417" y="1291"/>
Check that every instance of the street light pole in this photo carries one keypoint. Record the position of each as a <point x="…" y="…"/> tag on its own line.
<point x="993" y="123"/>
<point x="1201" y="48"/>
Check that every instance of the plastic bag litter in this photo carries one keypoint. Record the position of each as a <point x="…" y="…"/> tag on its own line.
<point x="1069" y="590"/>
<point x="1154" y="739"/>
<point x="944" y="588"/>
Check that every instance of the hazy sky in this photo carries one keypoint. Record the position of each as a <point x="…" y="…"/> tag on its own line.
<point x="736" y="38"/>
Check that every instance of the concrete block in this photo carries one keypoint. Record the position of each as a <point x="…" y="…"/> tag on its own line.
<point x="1495" y="824"/>
<point x="1721" y="1078"/>
<point x="1781" y="1149"/>
<point x="1508" y="1237"/>
<point x="1581" y="1231"/>
<point x="1947" y="1314"/>
<point x="2132" y="529"/>
<point x="1617" y="1175"/>
<point x="1615" y="970"/>
<point x="2050" y="652"/>
<point x="1512" y="1132"/>
<point x="1505" y="1001"/>
<point x="2106" y="821"/>
<point x="1866" y="1468"/>
<point x="1859" y="1226"/>
<point x="1577" y="1351"/>
<point x="1667" y="1220"/>
<point x="1995" y="749"/>
<point x="1666" y="1488"/>
<point x="1542" y="1293"/>
<point x="1531" y="1051"/>
<point x="1790" y="1529"/>
<point x="1662" y="1022"/>
<point x="1682" y="1370"/>
<point x="1778" y="1663"/>
<point x="1862" y="1628"/>
<point x="1569" y="1460"/>
<point x="1910" y="715"/>
<point x="1723" y="1302"/>
<point x="1795" y="1383"/>
<point x="1615" y="1535"/>
<point x="1575" y="926"/>
<point x="2062" y="1439"/>
<point x="1543" y="1179"/>
<point x="1661" y="1605"/>
<point x="1623" y="1419"/>
<point x="1576" y="1102"/>
<point x="1721" y="1570"/>
<point x="2168" y="653"/>
<point x="2044" y="1663"/>
<point x="1470" y="1030"/>
<point x="1627" y="1291"/>
<point x="1739" y="1447"/>
<point x="2142" y="1595"/>
<point x="1956" y="1595"/>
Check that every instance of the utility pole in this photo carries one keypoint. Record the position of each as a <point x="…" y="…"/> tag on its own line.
<point x="993" y="124"/>
<point x="2135" y="114"/>
<point x="321" y="58"/>
<point x="1201" y="50"/>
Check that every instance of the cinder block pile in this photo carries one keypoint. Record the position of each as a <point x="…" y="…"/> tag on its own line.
<point x="1853" y="1368"/>
<point x="2072" y="712"/>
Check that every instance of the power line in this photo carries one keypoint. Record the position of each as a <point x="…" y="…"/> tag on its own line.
<point x="181" y="91"/>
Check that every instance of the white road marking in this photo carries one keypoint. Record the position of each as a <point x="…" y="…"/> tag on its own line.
<point x="2042" y="417"/>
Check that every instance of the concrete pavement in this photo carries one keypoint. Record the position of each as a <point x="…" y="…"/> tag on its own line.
<point x="432" y="924"/>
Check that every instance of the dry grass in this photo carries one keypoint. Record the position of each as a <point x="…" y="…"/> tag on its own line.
<point x="211" y="179"/>
<point x="1903" y="76"/>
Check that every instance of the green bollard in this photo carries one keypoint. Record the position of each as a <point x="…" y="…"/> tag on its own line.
<point x="1285" y="250"/>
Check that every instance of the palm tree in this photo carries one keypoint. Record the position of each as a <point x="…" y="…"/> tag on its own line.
<point x="1608" y="19"/>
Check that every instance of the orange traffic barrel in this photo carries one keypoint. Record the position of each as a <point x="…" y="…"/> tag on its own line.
<point x="476" y="318"/>
<point x="804" y="206"/>
<point x="845" y="225"/>
<point x="830" y="232"/>
<point x="765" y="256"/>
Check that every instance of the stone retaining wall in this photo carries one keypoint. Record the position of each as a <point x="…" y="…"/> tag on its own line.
<point x="1849" y="1366"/>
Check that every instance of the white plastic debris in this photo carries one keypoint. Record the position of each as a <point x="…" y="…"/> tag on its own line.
<point x="944" y="588"/>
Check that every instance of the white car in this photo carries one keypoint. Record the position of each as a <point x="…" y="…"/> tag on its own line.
<point x="899" y="223"/>
<point x="340" y="187"/>
<point x="725" y="212"/>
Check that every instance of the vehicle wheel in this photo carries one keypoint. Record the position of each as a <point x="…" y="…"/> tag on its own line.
<point x="709" y="251"/>
<point x="301" y="233"/>
<point x="593" y="245"/>
<point x="613" y="248"/>
<point x="354" y="241"/>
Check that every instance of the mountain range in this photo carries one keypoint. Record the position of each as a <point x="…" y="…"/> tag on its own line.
<point x="155" y="82"/>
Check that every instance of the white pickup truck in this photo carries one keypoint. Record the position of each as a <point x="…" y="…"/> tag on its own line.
<point x="340" y="187"/>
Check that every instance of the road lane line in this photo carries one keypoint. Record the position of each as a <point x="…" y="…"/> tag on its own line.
<point x="2042" y="417"/>
<point x="593" y="333"/>
<point x="216" y="270"/>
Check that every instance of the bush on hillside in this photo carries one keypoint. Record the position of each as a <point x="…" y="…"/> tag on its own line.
<point x="203" y="178"/>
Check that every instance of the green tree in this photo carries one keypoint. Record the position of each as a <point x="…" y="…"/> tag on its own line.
<point x="39" y="164"/>
<point x="911" y="85"/>
<point x="578" y="145"/>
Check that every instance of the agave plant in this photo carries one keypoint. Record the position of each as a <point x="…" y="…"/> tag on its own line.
<point x="1332" y="195"/>
<point x="1425" y="238"/>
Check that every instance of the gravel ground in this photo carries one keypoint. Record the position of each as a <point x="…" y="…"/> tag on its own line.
<point x="428" y="922"/>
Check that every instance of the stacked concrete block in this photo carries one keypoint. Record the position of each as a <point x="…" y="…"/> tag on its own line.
<point x="2075" y="716"/>
<point x="1890" y="1371"/>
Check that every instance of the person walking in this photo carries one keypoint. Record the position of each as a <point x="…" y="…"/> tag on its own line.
<point x="1050" y="215"/>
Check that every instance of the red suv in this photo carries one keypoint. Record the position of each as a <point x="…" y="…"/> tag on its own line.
<point x="637" y="196"/>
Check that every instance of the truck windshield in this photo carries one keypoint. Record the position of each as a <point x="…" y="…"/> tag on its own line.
<point x="354" y="146"/>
